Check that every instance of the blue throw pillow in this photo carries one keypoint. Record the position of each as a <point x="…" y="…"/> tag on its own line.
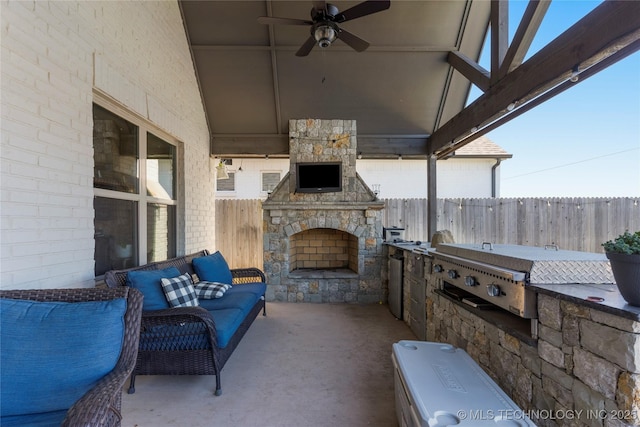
<point x="148" y="282"/>
<point x="213" y="268"/>
<point x="54" y="352"/>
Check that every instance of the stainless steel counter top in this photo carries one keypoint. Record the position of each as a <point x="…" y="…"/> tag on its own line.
<point x="412" y="246"/>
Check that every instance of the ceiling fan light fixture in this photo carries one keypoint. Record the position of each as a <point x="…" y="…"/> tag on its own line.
<point x="324" y="35"/>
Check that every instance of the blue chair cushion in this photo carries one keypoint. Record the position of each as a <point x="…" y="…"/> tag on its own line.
<point x="54" y="352"/>
<point x="213" y="268"/>
<point x="148" y="282"/>
<point x="46" y="419"/>
<point x="227" y="321"/>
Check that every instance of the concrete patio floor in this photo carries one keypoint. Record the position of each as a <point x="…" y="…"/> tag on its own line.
<point x="301" y="365"/>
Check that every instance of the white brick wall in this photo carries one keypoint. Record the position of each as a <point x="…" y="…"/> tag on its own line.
<point x="54" y="54"/>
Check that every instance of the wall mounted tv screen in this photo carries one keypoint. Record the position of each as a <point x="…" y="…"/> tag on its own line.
<point x="318" y="177"/>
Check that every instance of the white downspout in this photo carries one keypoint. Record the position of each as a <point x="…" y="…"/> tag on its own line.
<point x="493" y="177"/>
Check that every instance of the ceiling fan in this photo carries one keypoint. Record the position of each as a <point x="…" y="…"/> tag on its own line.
<point x="325" y="18"/>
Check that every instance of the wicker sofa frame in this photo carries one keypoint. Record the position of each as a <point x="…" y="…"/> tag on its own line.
<point x="101" y="405"/>
<point x="181" y="351"/>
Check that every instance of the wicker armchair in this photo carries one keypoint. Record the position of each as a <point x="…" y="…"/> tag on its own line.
<point x="101" y="405"/>
<point x="183" y="340"/>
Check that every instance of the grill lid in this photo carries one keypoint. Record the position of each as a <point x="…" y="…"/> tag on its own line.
<point x="547" y="265"/>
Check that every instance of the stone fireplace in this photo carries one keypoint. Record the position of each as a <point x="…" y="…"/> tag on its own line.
<point x="324" y="246"/>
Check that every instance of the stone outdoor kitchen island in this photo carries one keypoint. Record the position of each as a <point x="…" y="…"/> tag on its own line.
<point x="324" y="246"/>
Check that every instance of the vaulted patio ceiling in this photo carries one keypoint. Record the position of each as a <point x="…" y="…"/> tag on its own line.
<point x="408" y="90"/>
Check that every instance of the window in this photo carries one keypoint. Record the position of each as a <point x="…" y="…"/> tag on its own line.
<point x="227" y="184"/>
<point x="135" y="191"/>
<point x="269" y="181"/>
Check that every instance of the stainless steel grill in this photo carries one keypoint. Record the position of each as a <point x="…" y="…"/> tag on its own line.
<point x="500" y="274"/>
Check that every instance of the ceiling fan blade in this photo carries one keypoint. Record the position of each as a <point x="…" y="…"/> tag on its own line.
<point x="282" y="21"/>
<point x="363" y="9"/>
<point x="306" y="47"/>
<point x="352" y="40"/>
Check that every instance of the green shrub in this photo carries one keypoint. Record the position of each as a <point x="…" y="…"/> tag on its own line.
<point x="625" y="243"/>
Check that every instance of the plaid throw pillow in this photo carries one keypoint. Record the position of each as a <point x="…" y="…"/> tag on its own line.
<point x="180" y="292"/>
<point x="211" y="290"/>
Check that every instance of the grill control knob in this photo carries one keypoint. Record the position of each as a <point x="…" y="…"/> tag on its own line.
<point x="438" y="268"/>
<point x="452" y="274"/>
<point x="493" y="290"/>
<point x="470" y="281"/>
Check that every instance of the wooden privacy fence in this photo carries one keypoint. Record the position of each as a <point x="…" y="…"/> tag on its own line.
<point x="580" y="224"/>
<point x="239" y="232"/>
<point x="570" y="223"/>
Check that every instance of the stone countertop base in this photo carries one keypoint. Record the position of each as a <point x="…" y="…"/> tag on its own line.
<point x="604" y="297"/>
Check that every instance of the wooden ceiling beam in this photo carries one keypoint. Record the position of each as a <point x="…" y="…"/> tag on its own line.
<point x="505" y="58"/>
<point x="590" y="72"/>
<point x="470" y="69"/>
<point x="370" y="146"/>
<point x="522" y="39"/>
<point x="262" y="145"/>
<point x="610" y="27"/>
<point x="499" y="35"/>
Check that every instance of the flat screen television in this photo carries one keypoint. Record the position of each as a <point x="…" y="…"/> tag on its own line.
<point x="323" y="177"/>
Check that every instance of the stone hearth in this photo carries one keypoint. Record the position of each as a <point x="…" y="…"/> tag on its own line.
<point x="323" y="247"/>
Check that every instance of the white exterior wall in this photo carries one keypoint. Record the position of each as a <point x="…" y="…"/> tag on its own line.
<point x="248" y="182"/>
<point x="398" y="179"/>
<point x="54" y="54"/>
<point x="466" y="178"/>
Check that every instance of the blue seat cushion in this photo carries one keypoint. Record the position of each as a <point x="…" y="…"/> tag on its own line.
<point x="45" y="419"/>
<point x="227" y="322"/>
<point x="243" y="301"/>
<point x="148" y="282"/>
<point x="213" y="268"/>
<point x="54" y="352"/>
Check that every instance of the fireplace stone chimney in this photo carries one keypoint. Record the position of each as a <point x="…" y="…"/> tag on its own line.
<point x="308" y="235"/>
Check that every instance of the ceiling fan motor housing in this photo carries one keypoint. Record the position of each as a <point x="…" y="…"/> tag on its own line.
<point x="323" y="14"/>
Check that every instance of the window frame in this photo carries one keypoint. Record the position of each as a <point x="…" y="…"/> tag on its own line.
<point x="141" y="198"/>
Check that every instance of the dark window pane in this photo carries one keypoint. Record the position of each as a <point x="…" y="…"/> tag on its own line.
<point x="161" y="158"/>
<point x="161" y="232"/>
<point x="115" y="234"/>
<point x="115" y="146"/>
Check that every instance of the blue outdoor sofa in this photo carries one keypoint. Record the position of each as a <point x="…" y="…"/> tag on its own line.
<point x="183" y="334"/>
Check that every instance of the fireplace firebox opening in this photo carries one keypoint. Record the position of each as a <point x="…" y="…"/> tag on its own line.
<point x="323" y="249"/>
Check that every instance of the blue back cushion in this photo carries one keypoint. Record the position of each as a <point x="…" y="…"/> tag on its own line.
<point x="54" y="352"/>
<point x="148" y="282"/>
<point x="213" y="268"/>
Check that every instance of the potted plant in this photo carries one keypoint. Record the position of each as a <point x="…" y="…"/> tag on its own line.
<point x="123" y="250"/>
<point x="624" y="255"/>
